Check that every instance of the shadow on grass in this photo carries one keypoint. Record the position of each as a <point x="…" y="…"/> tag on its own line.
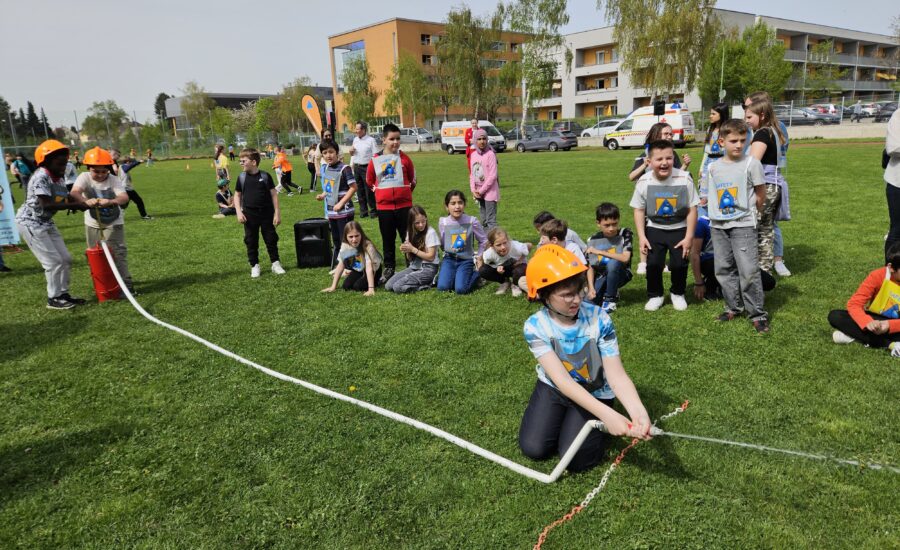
<point x="22" y="339"/>
<point x="779" y="296"/>
<point x="34" y="464"/>
<point x="800" y="259"/>
<point x="180" y="281"/>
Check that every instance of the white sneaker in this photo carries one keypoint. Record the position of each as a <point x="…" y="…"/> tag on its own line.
<point x="218" y="216"/>
<point x="654" y="303"/>
<point x="895" y="349"/>
<point x="502" y="288"/>
<point x="254" y="271"/>
<point x="516" y="291"/>
<point x="277" y="269"/>
<point x="782" y="269"/>
<point x="523" y="283"/>
<point x="840" y="338"/>
<point x="642" y="268"/>
<point x="678" y="302"/>
<point x="279" y="189"/>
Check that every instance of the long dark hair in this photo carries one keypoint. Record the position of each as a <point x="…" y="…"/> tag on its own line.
<point x="416" y="238"/>
<point x="722" y="109"/>
<point x="655" y="132"/>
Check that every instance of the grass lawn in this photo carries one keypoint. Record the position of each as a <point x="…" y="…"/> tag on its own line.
<point x="116" y="432"/>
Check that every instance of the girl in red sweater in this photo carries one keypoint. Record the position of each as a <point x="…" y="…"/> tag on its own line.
<point x="872" y="316"/>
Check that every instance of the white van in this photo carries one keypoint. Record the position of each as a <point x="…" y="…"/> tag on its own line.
<point x="632" y="132"/>
<point x="453" y="136"/>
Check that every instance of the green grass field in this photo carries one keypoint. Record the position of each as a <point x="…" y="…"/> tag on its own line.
<point x="115" y="432"/>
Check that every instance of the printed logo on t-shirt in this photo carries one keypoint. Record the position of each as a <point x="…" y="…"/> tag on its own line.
<point x="665" y="205"/>
<point x="727" y="199"/>
<point x="390" y="169"/>
<point x="458" y="240"/>
<point x="887" y="301"/>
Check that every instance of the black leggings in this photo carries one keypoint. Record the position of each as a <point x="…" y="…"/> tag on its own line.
<point x="357" y="280"/>
<point x="893" y="203"/>
<point x="138" y="201"/>
<point x="511" y="271"/>
<point x="841" y="320"/>
<point x="287" y="183"/>
<point x="550" y="425"/>
<point x="312" y="175"/>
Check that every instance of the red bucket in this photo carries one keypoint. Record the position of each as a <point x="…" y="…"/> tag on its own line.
<point x="105" y="285"/>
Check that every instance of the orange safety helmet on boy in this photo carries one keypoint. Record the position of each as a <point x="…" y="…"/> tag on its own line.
<point x="97" y="157"/>
<point x="47" y="148"/>
<point x="551" y="264"/>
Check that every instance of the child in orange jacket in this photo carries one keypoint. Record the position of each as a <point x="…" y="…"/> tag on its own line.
<point x="282" y="163"/>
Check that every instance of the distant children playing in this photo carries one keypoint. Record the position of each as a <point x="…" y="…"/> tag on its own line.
<point x="256" y="204"/>
<point x="282" y="163"/>
<point x="872" y="317"/>
<point x="458" y="230"/>
<point x="736" y="193"/>
<point x="420" y="247"/>
<point x="579" y="369"/>
<point x="338" y="187"/>
<point x="505" y="260"/>
<point x="483" y="180"/>
<point x="609" y="258"/>
<point x="224" y="200"/>
<point x="665" y="211"/>
<point x="360" y="262"/>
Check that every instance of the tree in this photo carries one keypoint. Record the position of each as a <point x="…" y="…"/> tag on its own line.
<point x="104" y="121"/>
<point x="542" y="21"/>
<point x="409" y="90"/>
<point x="288" y="110"/>
<point x="244" y="119"/>
<point x="359" y="96"/>
<point x="32" y="121"/>
<point x="662" y="43"/>
<point x="466" y="38"/>
<point x="822" y="73"/>
<point x="196" y="103"/>
<point x="159" y="107"/>
<point x="753" y="62"/>
<point x="5" y="119"/>
<point x="219" y="123"/>
<point x="45" y="126"/>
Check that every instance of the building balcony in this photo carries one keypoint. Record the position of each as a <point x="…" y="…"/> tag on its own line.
<point x="873" y="85"/>
<point x="548" y="102"/>
<point x="795" y="55"/>
<point x="882" y="62"/>
<point x="869" y="85"/>
<point x="591" y="95"/>
<point x="589" y="70"/>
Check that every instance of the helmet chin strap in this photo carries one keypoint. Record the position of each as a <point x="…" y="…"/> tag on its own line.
<point x="561" y="314"/>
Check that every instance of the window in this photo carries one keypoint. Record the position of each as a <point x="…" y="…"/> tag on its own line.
<point x="598" y="112"/>
<point x="514" y="47"/>
<point x="497" y="47"/>
<point x="427" y="59"/>
<point x="426" y="39"/>
<point x="601" y="83"/>
<point x="615" y="56"/>
<point x="553" y="115"/>
<point x="492" y="63"/>
<point x="627" y="125"/>
<point x="600" y="57"/>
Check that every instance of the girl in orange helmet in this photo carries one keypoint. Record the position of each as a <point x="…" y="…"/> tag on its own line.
<point x="580" y="372"/>
<point x="46" y="195"/>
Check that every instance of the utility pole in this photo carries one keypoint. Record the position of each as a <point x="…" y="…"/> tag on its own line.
<point x="108" y="133"/>
<point x="12" y="127"/>
<point x="77" y="130"/>
<point x="138" y="133"/>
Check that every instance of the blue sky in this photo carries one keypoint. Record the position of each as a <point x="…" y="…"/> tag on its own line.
<point x="129" y="51"/>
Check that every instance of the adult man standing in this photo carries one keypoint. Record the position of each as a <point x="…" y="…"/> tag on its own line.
<point x="857" y="112"/>
<point x="361" y="153"/>
<point x="470" y="143"/>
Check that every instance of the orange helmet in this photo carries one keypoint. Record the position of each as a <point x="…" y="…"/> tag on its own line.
<point x="97" y="157"/>
<point x="48" y="147"/>
<point x="551" y="264"/>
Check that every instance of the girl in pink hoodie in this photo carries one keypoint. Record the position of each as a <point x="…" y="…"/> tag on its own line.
<point x="483" y="180"/>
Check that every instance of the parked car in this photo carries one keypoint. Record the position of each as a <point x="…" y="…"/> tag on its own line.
<point x="568" y="126"/>
<point x="805" y="117"/>
<point x="453" y="136"/>
<point x="827" y="108"/>
<point x="516" y="133"/>
<point x="552" y="140"/>
<point x="601" y="128"/>
<point x="869" y="109"/>
<point x="885" y="111"/>
<point x="415" y="135"/>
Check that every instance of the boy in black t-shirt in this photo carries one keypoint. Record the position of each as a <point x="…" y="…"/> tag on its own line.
<point x="609" y="258"/>
<point x="224" y="200"/>
<point x="256" y="204"/>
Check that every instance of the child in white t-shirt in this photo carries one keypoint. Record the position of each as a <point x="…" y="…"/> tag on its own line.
<point x="505" y="261"/>
<point x="360" y="262"/>
<point x="420" y="247"/>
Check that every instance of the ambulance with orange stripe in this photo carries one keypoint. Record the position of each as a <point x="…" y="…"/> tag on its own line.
<point x="632" y="132"/>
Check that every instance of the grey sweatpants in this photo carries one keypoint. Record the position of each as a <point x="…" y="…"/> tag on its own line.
<point x="412" y="280"/>
<point x="48" y="247"/>
<point x="738" y="271"/>
<point x="115" y="238"/>
<point x="488" y="213"/>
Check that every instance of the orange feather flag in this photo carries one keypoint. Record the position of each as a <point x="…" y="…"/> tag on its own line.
<point x="311" y="108"/>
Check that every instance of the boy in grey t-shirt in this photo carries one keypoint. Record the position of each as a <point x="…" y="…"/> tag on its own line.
<point x="736" y="193"/>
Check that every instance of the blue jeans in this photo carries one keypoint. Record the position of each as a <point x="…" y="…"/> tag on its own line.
<point x="457" y="275"/>
<point x="607" y="284"/>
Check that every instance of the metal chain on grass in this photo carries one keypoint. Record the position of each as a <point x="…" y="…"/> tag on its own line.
<point x="596" y="490"/>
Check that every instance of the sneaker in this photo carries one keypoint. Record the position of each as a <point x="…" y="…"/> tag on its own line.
<point x="895" y="349"/>
<point x="642" y="268"/>
<point x="277" y="269"/>
<point x="761" y="326"/>
<point x="386" y="275"/>
<point x="654" y="303"/>
<point x="502" y="288"/>
<point x="218" y="216"/>
<point x="146" y="218"/>
<point x="290" y="193"/>
<point x="782" y="269"/>
<point x="678" y="302"/>
<point x="608" y="306"/>
<point x="279" y="189"/>
<point x="516" y="291"/>
<point x="726" y="316"/>
<point x="254" y="271"/>
<point x="523" y="283"/>
<point x="839" y="337"/>
<point x="69" y="298"/>
<point x="59" y="303"/>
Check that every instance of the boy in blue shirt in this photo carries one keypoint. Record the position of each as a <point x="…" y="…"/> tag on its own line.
<point x="579" y="369"/>
<point x="338" y="187"/>
<point x="609" y="258"/>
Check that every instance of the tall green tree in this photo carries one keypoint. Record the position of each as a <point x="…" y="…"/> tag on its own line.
<point x="542" y="21"/>
<point x="5" y="119"/>
<point x="195" y="103"/>
<point x="159" y="107"/>
<point x="662" y="43"/>
<point x="409" y="90"/>
<point x="32" y="121"/>
<point x="104" y="122"/>
<point x="822" y="73"/>
<point x="289" y="104"/>
<point x="462" y="50"/>
<point x="359" y="94"/>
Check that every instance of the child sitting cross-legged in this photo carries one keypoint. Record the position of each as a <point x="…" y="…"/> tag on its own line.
<point x="505" y="261"/>
<point x="224" y="200"/>
<point x="609" y="258"/>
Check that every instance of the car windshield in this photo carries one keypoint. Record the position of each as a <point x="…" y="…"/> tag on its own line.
<point x="568" y="134"/>
<point x="422" y="131"/>
<point x="491" y="130"/>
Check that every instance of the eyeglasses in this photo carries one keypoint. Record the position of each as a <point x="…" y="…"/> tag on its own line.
<point x="99" y="170"/>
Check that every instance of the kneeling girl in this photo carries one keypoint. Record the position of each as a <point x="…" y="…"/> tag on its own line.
<point x="359" y="260"/>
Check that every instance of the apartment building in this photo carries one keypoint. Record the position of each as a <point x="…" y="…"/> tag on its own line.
<point x="382" y="43"/>
<point x="594" y="86"/>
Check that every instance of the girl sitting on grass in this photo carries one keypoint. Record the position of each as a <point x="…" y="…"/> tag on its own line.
<point x="420" y="248"/>
<point x="458" y="271"/>
<point x="360" y="261"/>
<point x="505" y="261"/>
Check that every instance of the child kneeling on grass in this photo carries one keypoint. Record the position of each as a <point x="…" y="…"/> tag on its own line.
<point x="459" y="267"/>
<point x="224" y="200"/>
<point x="360" y="262"/>
<point x="505" y="261"/>
<point x="609" y="258"/>
<point x="579" y="369"/>
<point x="256" y="203"/>
<point x="420" y="247"/>
<point x="872" y="316"/>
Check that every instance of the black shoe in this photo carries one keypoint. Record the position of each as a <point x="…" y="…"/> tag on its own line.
<point x="59" y="303"/>
<point x="4" y="269"/>
<point x="386" y="276"/>
<point x="761" y="326"/>
<point x="726" y="316"/>
<point x="75" y="301"/>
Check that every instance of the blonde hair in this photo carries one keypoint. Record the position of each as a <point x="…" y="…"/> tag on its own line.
<point x="766" y="113"/>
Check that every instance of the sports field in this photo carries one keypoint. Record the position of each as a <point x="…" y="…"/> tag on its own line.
<point x="115" y="432"/>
